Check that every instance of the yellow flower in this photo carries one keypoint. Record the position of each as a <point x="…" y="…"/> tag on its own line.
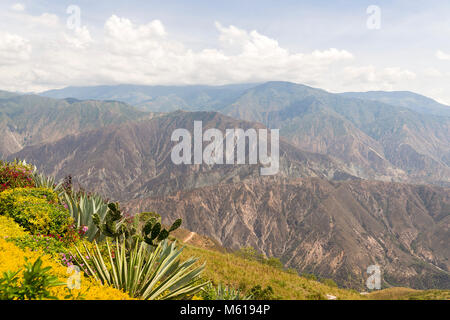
<point x="10" y="229"/>
<point x="13" y="258"/>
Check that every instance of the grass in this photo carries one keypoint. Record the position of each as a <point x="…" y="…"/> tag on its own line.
<point x="244" y="274"/>
<point x="230" y="269"/>
<point x="399" y="293"/>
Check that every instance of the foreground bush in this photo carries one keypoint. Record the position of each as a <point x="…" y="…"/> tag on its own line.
<point x="37" y="282"/>
<point x="12" y="259"/>
<point x="15" y="175"/>
<point x="37" y="210"/>
<point x="39" y="264"/>
<point x="10" y="229"/>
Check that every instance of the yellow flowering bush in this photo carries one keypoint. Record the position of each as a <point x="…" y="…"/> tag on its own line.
<point x="10" y="229"/>
<point x="7" y="197"/>
<point x="35" y="209"/>
<point x="12" y="258"/>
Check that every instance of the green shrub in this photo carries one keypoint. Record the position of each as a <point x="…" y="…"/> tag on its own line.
<point x="258" y="293"/>
<point x="316" y="296"/>
<point x="222" y="292"/>
<point x="309" y="276"/>
<point x="36" y="210"/>
<point x="42" y="181"/>
<point x="329" y="282"/>
<point x="82" y="208"/>
<point x="274" y="262"/>
<point x="8" y="197"/>
<point x="250" y="253"/>
<point x="15" y="175"/>
<point x="35" y="284"/>
<point x="48" y="245"/>
<point x="155" y="274"/>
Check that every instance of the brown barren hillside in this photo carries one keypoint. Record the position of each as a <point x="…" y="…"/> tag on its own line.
<point x="134" y="159"/>
<point x="332" y="229"/>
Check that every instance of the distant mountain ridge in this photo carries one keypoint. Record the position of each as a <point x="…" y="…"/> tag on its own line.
<point x="213" y="98"/>
<point x="30" y="119"/>
<point x="379" y="140"/>
<point x="402" y="141"/>
<point x="406" y="99"/>
<point x="158" y="98"/>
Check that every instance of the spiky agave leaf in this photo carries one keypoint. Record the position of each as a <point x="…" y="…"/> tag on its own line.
<point x="87" y="211"/>
<point x="145" y="274"/>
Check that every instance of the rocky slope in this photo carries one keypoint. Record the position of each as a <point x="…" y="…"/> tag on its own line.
<point x="333" y="229"/>
<point x="134" y="159"/>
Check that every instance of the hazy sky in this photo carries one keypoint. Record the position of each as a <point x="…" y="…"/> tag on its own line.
<point x="334" y="45"/>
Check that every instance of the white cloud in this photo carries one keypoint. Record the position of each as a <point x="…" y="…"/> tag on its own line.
<point x="39" y="53"/>
<point x="79" y="38"/>
<point x="146" y="54"/>
<point x="18" y="7"/>
<point x="442" y="56"/>
<point x="13" y="49"/>
<point x="432" y="72"/>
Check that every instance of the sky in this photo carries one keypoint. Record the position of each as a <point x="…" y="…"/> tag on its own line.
<point x="334" y="45"/>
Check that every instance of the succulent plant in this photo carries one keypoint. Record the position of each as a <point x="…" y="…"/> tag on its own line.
<point x="153" y="232"/>
<point x="145" y="227"/>
<point x="156" y="275"/>
<point x="112" y="225"/>
<point x="84" y="209"/>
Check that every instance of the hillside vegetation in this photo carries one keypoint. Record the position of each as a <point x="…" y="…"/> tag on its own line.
<point x="245" y="274"/>
<point x="228" y="268"/>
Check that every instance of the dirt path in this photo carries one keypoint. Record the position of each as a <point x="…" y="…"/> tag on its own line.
<point x="189" y="237"/>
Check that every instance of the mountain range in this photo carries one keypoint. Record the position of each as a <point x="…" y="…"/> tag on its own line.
<point x="407" y="140"/>
<point x="134" y="159"/>
<point x="364" y="177"/>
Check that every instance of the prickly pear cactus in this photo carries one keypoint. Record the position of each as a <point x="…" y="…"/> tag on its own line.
<point x="145" y="226"/>
<point x="152" y="231"/>
<point x="113" y="224"/>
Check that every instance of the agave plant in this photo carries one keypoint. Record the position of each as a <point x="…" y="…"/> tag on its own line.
<point x="42" y="181"/>
<point x="222" y="292"/>
<point x="83" y="208"/>
<point x="145" y="272"/>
